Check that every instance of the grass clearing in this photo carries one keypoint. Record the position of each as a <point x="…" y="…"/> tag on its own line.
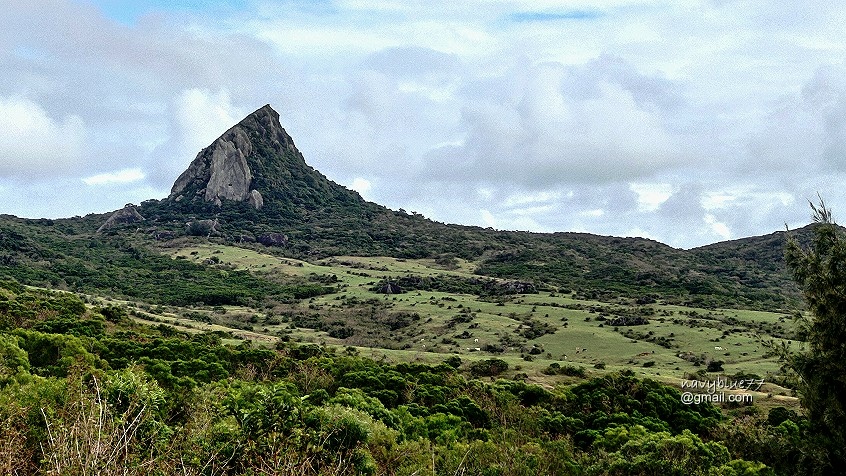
<point x="529" y="331"/>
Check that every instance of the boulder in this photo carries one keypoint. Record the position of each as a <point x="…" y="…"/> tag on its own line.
<point x="256" y="199"/>
<point x="389" y="288"/>
<point x="202" y="227"/>
<point x="245" y="238"/>
<point x="163" y="235"/>
<point x="125" y="216"/>
<point x="273" y="239"/>
<point x="520" y="287"/>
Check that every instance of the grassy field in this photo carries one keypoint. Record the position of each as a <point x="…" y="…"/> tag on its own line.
<point x="529" y="331"/>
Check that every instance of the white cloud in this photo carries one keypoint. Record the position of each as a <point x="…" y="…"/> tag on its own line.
<point x="119" y="177"/>
<point x="595" y="213"/>
<point x="717" y="227"/>
<point x="514" y="113"/>
<point x="202" y="116"/>
<point x="488" y="219"/>
<point x="719" y="199"/>
<point x="197" y="117"/>
<point x="34" y="145"/>
<point x="361" y="185"/>
<point x="650" y="196"/>
<point x="312" y="41"/>
<point x="529" y="198"/>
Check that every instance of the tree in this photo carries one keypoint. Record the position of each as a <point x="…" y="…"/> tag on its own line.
<point x="820" y="270"/>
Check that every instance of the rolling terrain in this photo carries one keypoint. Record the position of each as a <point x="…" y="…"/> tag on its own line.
<point x="311" y="260"/>
<point x="270" y="321"/>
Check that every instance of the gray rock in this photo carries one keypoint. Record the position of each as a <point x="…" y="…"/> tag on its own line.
<point x="520" y="287"/>
<point x="221" y="171"/>
<point x="273" y="239"/>
<point x="389" y="288"/>
<point x="256" y="200"/>
<point x="125" y="216"/>
<point x="246" y="238"/>
<point x="163" y="235"/>
<point x="230" y="177"/>
<point x="202" y="227"/>
<point x="220" y="168"/>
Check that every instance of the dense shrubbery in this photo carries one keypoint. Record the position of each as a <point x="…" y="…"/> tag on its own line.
<point x="483" y="287"/>
<point x="139" y="400"/>
<point x="122" y="267"/>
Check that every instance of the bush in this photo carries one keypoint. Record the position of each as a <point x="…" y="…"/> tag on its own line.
<point x="715" y="366"/>
<point x="488" y="368"/>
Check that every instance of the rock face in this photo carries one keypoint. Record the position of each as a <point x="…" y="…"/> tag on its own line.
<point x="163" y="235"/>
<point x="126" y="215"/>
<point x="222" y="170"/>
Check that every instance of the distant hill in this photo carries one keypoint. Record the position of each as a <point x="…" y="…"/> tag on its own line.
<point x="253" y="188"/>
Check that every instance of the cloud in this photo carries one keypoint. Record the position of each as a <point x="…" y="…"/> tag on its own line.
<point x="199" y="116"/>
<point x="202" y="116"/>
<point x="59" y="197"/>
<point x="650" y="196"/>
<point x="514" y="114"/>
<point x="34" y="144"/>
<point x="119" y="177"/>
<point x="361" y="185"/>
<point x="556" y="124"/>
<point x="717" y="227"/>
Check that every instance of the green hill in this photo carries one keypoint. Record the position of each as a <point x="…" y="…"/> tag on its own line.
<point x="265" y="320"/>
<point x="253" y="186"/>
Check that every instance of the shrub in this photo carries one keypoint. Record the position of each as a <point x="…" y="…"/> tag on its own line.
<point x="488" y="368"/>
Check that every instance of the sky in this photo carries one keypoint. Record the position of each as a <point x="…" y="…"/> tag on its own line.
<point x="687" y="122"/>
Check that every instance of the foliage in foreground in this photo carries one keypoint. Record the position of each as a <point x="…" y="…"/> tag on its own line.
<point x="100" y="395"/>
<point x="821" y="271"/>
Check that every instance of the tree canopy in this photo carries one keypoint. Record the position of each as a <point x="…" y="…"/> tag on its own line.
<point x="820" y="269"/>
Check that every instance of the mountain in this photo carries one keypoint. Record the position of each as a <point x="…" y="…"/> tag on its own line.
<point x="257" y="162"/>
<point x="251" y="187"/>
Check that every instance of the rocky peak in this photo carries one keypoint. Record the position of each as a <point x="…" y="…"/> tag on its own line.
<point x="256" y="163"/>
<point x="222" y="170"/>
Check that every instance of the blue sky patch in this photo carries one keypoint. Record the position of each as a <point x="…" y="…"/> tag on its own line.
<point x="525" y="17"/>
<point x="128" y="11"/>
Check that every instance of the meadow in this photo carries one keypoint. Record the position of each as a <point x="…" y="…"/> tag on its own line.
<point x="530" y="331"/>
<point x="376" y="365"/>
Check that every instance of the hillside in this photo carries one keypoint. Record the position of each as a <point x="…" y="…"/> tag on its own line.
<point x="86" y="389"/>
<point x="265" y="320"/>
<point x="253" y="188"/>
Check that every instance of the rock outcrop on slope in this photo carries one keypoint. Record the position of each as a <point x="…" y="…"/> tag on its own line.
<point x="273" y="239"/>
<point x="223" y="170"/>
<point x="125" y="216"/>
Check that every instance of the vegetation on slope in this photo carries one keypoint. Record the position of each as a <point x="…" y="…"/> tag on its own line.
<point x="121" y="266"/>
<point x="68" y="254"/>
<point x="821" y="270"/>
<point x="130" y="399"/>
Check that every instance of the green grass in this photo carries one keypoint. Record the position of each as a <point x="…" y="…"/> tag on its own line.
<point x="584" y="342"/>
